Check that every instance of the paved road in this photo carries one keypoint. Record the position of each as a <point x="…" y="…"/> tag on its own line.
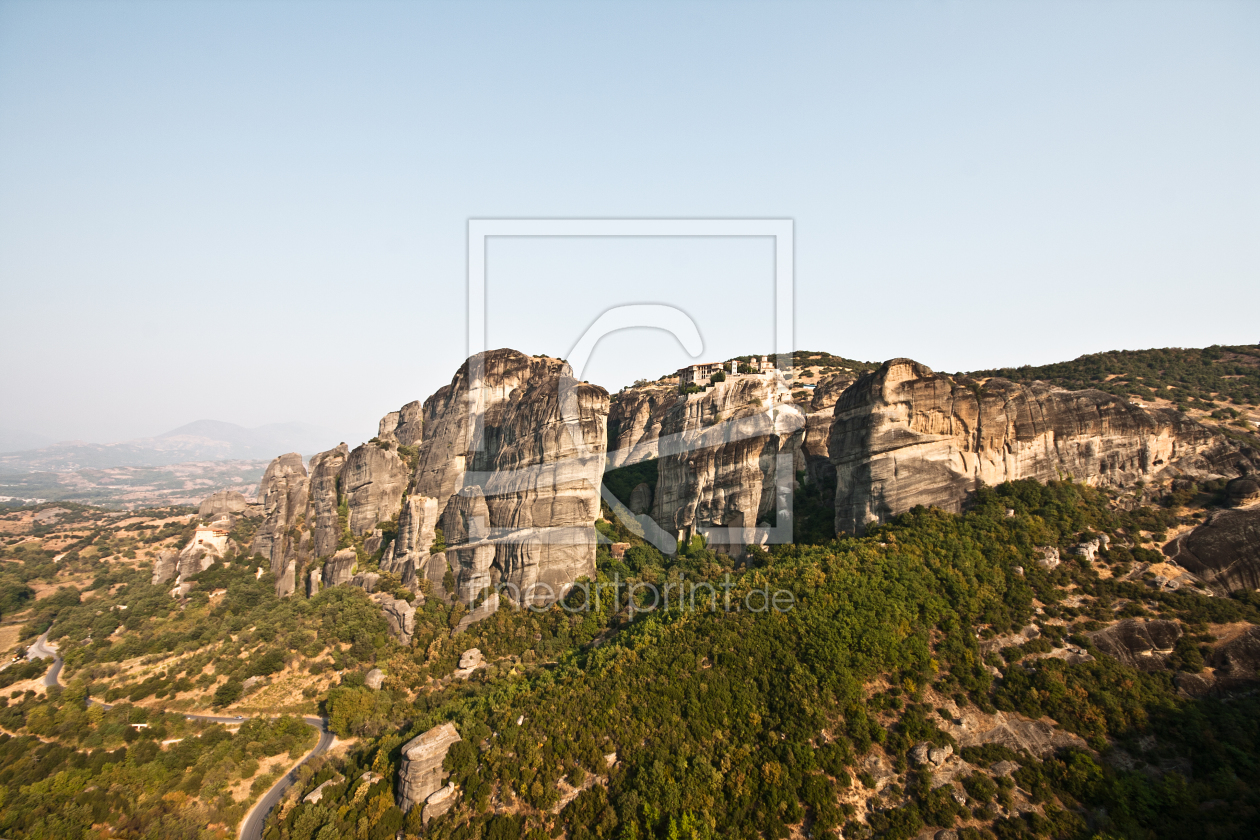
<point x="40" y="649"/>
<point x="252" y="825"/>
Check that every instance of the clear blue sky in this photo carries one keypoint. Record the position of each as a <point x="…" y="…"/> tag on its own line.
<point x="256" y="212"/>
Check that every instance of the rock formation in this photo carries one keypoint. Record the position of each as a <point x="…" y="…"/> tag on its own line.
<point x="905" y="436"/>
<point x="718" y="459"/>
<point x="339" y="568"/>
<point x="816" y="447"/>
<point x="283" y="493"/>
<point x="224" y="501"/>
<point x="404" y="426"/>
<point x="1139" y="644"/>
<point x="373" y="481"/>
<point x="1224" y="552"/>
<point x="1241" y="491"/>
<point x="522" y="436"/>
<point x="208" y="545"/>
<point x="408" y="555"/>
<point x="421" y="775"/>
<point x="634" y="423"/>
<point x="641" y="498"/>
<point x="164" y="567"/>
<point x="400" y="615"/>
<point x="322" y="500"/>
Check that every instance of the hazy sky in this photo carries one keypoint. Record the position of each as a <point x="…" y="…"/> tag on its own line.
<point x="256" y="212"/>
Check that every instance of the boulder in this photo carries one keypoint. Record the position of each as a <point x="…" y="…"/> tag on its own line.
<point x="224" y="501"/>
<point x="439" y="802"/>
<point x="375" y="679"/>
<point x="313" y="582"/>
<point x="1047" y="556"/>
<point x="1244" y="490"/>
<point x="366" y="581"/>
<point x="1224" y="552"/>
<point x="903" y="435"/>
<point x="420" y="774"/>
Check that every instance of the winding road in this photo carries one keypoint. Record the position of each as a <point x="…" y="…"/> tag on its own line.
<point x="256" y="817"/>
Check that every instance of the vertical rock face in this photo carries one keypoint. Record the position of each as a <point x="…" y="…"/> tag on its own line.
<point x="816" y="447"/>
<point x="321" y="506"/>
<point x="408" y="557"/>
<point x="385" y="429"/>
<point x="164" y="567"/>
<point x="224" y="501"/>
<point x="339" y="568"/>
<point x="420" y="775"/>
<point x="536" y="460"/>
<point x="905" y="436"/>
<point x="373" y="480"/>
<point x="634" y="423"/>
<point x="208" y="545"/>
<point x="282" y="493"/>
<point x="718" y="458"/>
<point x="641" y="498"/>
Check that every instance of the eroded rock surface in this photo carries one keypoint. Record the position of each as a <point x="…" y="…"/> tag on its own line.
<point x="339" y="568"/>
<point x="164" y="566"/>
<point x="1224" y="552"/>
<point x="322" y="499"/>
<point x="1140" y="644"/>
<point x="537" y="464"/>
<point x="421" y="775"/>
<point x="718" y="459"/>
<point x="400" y="615"/>
<point x="373" y="480"/>
<point x="905" y="436"/>
<point x="408" y="555"/>
<point x="634" y="423"/>
<point x="283" y="492"/>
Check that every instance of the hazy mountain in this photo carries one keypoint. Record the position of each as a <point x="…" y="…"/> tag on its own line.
<point x="17" y="440"/>
<point x="202" y="440"/>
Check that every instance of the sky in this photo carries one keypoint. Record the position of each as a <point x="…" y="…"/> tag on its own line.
<point x="257" y="212"/>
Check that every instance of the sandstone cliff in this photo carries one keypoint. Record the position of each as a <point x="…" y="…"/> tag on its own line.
<point x="634" y="423"/>
<point x="519" y="436"/>
<point x="373" y="481"/>
<point x="718" y="458"/>
<point x="905" y="436"/>
<point x="322" y="500"/>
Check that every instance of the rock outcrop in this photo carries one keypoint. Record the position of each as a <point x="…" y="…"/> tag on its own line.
<point x="522" y="436"/>
<point x="1224" y="552"/>
<point x="339" y="568"/>
<point x="403" y="426"/>
<point x="421" y="775"/>
<point x="816" y="446"/>
<point x="164" y="567"/>
<point x="208" y="545"/>
<point x="1145" y="645"/>
<point x="905" y="436"/>
<point x="283" y="493"/>
<point x="1242" y="491"/>
<point x="718" y="459"/>
<point x="224" y="501"/>
<point x="400" y="615"/>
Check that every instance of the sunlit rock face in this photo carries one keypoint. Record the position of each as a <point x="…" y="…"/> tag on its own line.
<point x="718" y="459"/>
<point x="905" y="436"/>
<point x="283" y="494"/>
<point x="519" y="436"/>
<point x="420" y="775"/>
<point x="373" y="481"/>
<point x="322" y="501"/>
<point x="1224" y="551"/>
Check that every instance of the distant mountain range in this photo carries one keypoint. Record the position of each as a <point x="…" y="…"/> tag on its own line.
<point x="202" y="440"/>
